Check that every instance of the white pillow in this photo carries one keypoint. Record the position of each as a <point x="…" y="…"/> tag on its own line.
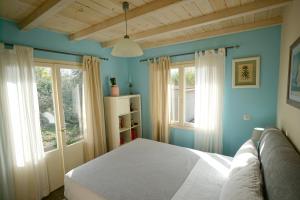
<point x="246" y="184"/>
<point x="246" y="155"/>
<point x="249" y="147"/>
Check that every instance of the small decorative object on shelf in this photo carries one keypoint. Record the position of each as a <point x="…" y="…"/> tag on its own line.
<point x="131" y="107"/>
<point x="115" y="92"/>
<point x="130" y="88"/>
<point x="132" y="123"/>
<point x="121" y="122"/>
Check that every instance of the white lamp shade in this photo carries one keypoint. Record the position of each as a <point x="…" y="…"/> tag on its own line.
<point x="256" y="134"/>
<point x="127" y="48"/>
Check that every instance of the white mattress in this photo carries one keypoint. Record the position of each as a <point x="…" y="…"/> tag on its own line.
<point x="144" y="169"/>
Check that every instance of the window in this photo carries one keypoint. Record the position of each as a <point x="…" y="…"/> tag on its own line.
<point x="174" y="95"/>
<point x="189" y="94"/>
<point x="44" y="84"/>
<point x="71" y="87"/>
<point x="182" y="94"/>
<point x="59" y="88"/>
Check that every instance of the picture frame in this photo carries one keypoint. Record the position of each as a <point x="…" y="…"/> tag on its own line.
<point x="293" y="90"/>
<point x="246" y="72"/>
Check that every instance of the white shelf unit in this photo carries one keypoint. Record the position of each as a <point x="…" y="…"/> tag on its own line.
<point x="122" y="119"/>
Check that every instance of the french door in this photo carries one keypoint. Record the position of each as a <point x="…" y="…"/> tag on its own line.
<point x="59" y="87"/>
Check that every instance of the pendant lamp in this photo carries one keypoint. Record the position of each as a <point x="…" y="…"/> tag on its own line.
<point x="126" y="47"/>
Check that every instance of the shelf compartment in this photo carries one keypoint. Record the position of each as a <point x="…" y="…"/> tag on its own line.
<point x="135" y="119"/>
<point x="125" y="137"/>
<point x="134" y="103"/>
<point x="135" y="132"/>
<point x="124" y="122"/>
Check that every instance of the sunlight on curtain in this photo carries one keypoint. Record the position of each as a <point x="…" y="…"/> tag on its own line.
<point x="6" y="168"/>
<point x="159" y="98"/>
<point x="94" y="124"/>
<point x="209" y="91"/>
<point x="19" y="105"/>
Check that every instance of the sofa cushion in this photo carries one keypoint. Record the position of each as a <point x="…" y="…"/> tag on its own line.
<point x="280" y="164"/>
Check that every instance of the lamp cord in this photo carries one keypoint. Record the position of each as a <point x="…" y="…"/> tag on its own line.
<point x="126" y="21"/>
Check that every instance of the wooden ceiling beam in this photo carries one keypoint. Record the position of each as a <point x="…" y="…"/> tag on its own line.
<point x="208" y="34"/>
<point x="229" y="13"/>
<point x="136" y="12"/>
<point x="46" y="10"/>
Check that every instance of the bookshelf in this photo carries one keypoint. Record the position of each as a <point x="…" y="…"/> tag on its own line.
<point x="122" y="119"/>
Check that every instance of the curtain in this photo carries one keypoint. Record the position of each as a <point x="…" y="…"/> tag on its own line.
<point x="209" y="92"/>
<point x="159" y="109"/>
<point x="6" y="167"/>
<point x="94" y="124"/>
<point x="25" y="159"/>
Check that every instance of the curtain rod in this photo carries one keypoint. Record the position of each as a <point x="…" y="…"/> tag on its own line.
<point x="54" y="51"/>
<point x="189" y="53"/>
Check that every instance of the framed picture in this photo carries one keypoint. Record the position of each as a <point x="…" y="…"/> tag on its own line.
<point x="245" y="72"/>
<point x="293" y="96"/>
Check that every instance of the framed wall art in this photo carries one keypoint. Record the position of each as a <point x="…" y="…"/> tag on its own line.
<point x="245" y="72"/>
<point x="293" y="95"/>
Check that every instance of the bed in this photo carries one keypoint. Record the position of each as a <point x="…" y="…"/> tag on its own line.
<point x="148" y="170"/>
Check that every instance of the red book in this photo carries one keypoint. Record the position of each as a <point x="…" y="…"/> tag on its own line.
<point x="133" y="134"/>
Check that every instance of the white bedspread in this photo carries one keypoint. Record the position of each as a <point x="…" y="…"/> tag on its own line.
<point x="148" y="170"/>
<point x="206" y="178"/>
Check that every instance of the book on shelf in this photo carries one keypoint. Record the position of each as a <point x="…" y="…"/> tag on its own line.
<point x="134" y="134"/>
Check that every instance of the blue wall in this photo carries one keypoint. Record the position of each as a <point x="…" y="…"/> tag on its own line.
<point x="41" y="38"/>
<point x="259" y="103"/>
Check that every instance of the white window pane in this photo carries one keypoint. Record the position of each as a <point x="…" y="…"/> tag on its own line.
<point x="174" y="95"/>
<point x="189" y="76"/>
<point x="71" y="88"/>
<point x="46" y="107"/>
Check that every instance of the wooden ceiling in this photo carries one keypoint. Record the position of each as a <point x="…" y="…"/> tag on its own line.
<point x="151" y="23"/>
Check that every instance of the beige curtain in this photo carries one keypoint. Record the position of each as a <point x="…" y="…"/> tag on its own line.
<point x="159" y="78"/>
<point x="23" y="168"/>
<point x="94" y="125"/>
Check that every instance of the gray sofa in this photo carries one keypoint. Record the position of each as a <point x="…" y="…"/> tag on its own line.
<point x="280" y="164"/>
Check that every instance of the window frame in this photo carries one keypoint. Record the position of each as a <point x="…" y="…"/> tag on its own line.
<point x="181" y="123"/>
<point x="55" y="66"/>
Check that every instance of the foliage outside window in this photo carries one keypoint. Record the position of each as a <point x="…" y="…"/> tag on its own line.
<point x="69" y="83"/>
<point x="46" y="106"/>
<point x="182" y="95"/>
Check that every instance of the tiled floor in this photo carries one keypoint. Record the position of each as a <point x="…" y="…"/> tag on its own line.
<point x="56" y="195"/>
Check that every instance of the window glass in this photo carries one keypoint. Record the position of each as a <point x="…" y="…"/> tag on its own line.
<point x="71" y="89"/>
<point x="174" y="95"/>
<point x="46" y="107"/>
<point x="189" y="92"/>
